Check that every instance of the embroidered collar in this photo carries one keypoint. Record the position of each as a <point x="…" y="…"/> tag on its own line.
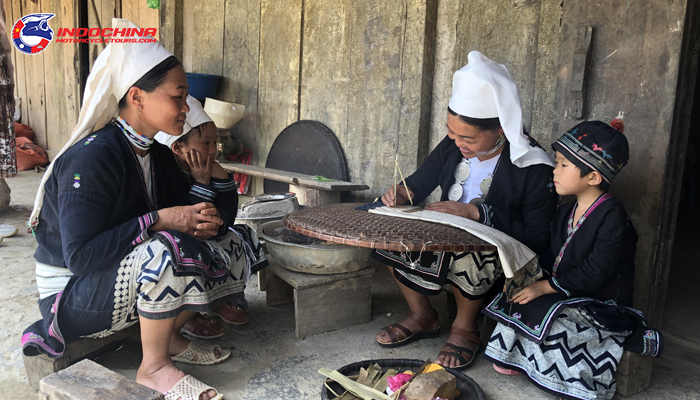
<point x="139" y="140"/>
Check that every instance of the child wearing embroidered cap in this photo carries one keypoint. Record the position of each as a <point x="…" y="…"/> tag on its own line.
<point x="582" y="306"/>
<point x="195" y="150"/>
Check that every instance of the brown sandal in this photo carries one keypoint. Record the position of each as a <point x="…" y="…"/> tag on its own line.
<point x="397" y="330"/>
<point x="460" y="353"/>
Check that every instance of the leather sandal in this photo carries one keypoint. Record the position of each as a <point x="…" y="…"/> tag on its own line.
<point x="400" y="335"/>
<point x="459" y="352"/>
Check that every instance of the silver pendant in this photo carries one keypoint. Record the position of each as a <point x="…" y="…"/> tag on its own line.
<point x="485" y="185"/>
<point x="462" y="171"/>
<point x="455" y="192"/>
<point x="477" y="200"/>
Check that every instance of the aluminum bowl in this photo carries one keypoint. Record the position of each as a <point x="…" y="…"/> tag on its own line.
<point x="314" y="258"/>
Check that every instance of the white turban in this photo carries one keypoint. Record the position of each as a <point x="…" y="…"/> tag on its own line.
<point x="195" y="117"/>
<point x="485" y="89"/>
<point x="116" y="69"/>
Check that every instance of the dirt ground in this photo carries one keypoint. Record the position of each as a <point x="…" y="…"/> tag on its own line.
<point x="268" y="361"/>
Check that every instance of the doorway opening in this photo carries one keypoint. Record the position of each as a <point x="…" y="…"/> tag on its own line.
<point x="681" y="318"/>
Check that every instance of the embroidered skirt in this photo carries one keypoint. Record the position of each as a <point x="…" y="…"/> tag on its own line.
<point x="143" y="284"/>
<point x="576" y="360"/>
<point x="474" y="274"/>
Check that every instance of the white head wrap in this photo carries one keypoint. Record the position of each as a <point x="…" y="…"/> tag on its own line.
<point x="485" y="89"/>
<point x="116" y="69"/>
<point x="195" y="117"/>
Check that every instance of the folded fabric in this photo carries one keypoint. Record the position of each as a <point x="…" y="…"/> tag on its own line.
<point x="513" y="254"/>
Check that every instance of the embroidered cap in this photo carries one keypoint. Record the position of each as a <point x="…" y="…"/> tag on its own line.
<point x="597" y="145"/>
<point x="485" y="89"/>
<point x="195" y="117"/>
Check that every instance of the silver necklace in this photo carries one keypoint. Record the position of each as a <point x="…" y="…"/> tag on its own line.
<point x="461" y="174"/>
<point x="463" y="171"/>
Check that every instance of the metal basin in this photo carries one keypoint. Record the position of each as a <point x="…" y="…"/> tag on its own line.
<point x="314" y="258"/>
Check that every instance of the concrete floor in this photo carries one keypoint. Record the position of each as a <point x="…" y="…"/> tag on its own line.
<point x="269" y="362"/>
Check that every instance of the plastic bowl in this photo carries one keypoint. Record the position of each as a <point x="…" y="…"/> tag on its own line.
<point x="202" y="85"/>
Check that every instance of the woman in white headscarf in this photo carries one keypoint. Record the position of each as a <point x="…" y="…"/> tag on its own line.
<point x="121" y="238"/>
<point x="489" y="171"/>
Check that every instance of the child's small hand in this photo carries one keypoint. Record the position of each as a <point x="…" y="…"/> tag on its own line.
<point x="199" y="168"/>
<point x="532" y="292"/>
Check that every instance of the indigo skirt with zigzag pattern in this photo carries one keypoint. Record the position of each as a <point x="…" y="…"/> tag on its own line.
<point x="577" y="359"/>
<point x="142" y="284"/>
<point x="473" y="273"/>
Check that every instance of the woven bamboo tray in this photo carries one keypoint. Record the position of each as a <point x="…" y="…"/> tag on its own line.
<point x="341" y="223"/>
<point x="468" y="388"/>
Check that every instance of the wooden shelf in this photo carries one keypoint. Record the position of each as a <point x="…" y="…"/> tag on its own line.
<point x="302" y="180"/>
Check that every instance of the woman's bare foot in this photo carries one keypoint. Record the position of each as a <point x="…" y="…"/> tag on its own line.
<point x="163" y="378"/>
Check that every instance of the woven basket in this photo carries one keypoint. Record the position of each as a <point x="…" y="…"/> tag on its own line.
<point x="468" y="388"/>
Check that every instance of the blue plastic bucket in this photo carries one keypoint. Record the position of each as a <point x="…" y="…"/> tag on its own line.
<point x="202" y="85"/>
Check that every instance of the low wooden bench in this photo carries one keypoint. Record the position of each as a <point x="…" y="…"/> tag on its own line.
<point x="322" y="303"/>
<point x="88" y="380"/>
<point x="40" y="366"/>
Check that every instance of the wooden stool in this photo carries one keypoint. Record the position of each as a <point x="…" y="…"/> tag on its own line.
<point x="88" y="380"/>
<point x="322" y="303"/>
<point x="40" y="366"/>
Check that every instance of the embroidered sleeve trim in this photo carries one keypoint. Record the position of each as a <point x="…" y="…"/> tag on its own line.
<point x="557" y="286"/>
<point x="203" y="191"/>
<point x="145" y="222"/>
<point x="224" y="185"/>
<point x="485" y="214"/>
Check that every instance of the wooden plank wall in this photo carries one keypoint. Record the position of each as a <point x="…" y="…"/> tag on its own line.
<point x="365" y="70"/>
<point x="523" y="35"/>
<point x="634" y="70"/>
<point x="49" y="83"/>
<point x="62" y="78"/>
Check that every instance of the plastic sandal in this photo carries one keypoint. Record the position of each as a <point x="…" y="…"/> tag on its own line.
<point x="189" y="388"/>
<point x="459" y="352"/>
<point x="235" y="307"/>
<point x="197" y="354"/>
<point x="409" y="336"/>
<point x="202" y="321"/>
<point x="505" y="371"/>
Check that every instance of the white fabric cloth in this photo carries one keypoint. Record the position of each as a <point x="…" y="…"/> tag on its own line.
<point x="512" y="254"/>
<point x="195" y="117"/>
<point x="479" y="171"/>
<point x="51" y="280"/>
<point x="116" y="69"/>
<point x="485" y="89"/>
